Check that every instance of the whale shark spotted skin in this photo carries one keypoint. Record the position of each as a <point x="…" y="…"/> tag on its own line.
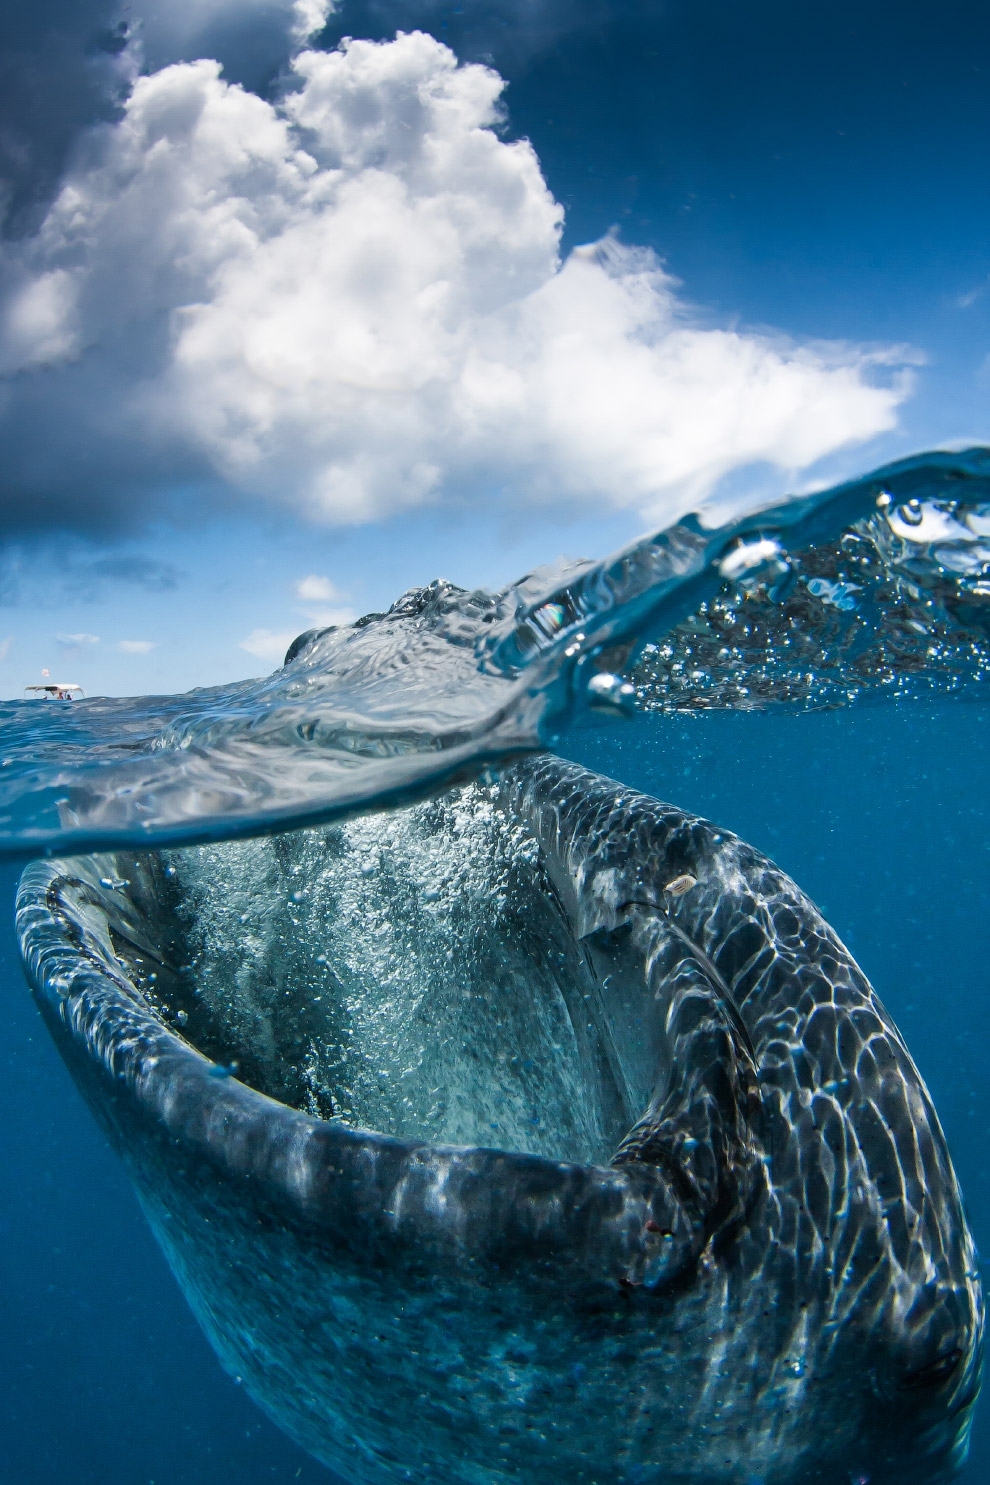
<point x="714" y="1237"/>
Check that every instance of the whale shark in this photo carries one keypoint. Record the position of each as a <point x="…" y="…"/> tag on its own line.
<point x="540" y="1131"/>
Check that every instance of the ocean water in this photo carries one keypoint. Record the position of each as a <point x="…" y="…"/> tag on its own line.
<point x="814" y="681"/>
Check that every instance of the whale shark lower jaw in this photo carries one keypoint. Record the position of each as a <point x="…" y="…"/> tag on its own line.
<point x="538" y="1133"/>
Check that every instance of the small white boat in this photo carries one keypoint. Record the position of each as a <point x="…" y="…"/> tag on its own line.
<point x="58" y="690"/>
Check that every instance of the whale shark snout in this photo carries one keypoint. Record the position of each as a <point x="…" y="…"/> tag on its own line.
<point x="541" y="1132"/>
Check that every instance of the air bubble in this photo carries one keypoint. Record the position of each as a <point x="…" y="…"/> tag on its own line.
<point x="610" y="693"/>
<point x="748" y="556"/>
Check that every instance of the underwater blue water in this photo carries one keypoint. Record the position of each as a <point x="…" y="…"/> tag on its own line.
<point x="879" y="810"/>
<point x="882" y="814"/>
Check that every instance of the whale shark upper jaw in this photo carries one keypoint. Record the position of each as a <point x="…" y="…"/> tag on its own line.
<point x="535" y="1133"/>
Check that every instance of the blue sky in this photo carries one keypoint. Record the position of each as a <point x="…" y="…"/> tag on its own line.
<point x="280" y="339"/>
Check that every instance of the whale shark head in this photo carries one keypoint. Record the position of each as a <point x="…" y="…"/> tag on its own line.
<point x="539" y="1132"/>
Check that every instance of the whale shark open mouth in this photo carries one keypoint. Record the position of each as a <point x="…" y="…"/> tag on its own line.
<point x="411" y="974"/>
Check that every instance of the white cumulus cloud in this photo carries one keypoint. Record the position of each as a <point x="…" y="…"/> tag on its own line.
<point x="136" y="646"/>
<point x="317" y="589"/>
<point x="351" y="300"/>
<point x="268" y="644"/>
<point x="317" y="593"/>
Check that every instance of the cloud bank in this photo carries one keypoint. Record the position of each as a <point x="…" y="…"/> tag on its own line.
<point x="67" y="64"/>
<point x="350" y="300"/>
